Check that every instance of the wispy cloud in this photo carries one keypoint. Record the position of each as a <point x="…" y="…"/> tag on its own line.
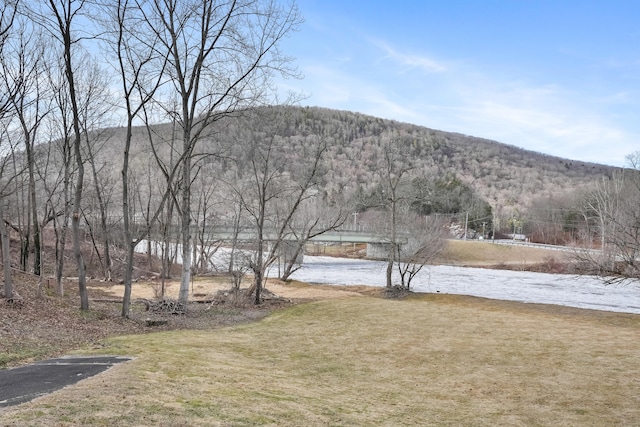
<point x="411" y="60"/>
<point x="543" y="118"/>
<point x="337" y="89"/>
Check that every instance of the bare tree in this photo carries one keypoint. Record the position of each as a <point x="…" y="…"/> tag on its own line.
<point x="141" y="69"/>
<point x="311" y="222"/>
<point x="96" y="106"/>
<point x="4" y="235"/>
<point x="424" y="242"/>
<point x="395" y="170"/>
<point x="274" y="190"/>
<point x="612" y="205"/>
<point x="205" y="218"/>
<point x="7" y="16"/>
<point x="60" y="19"/>
<point x="29" y="104"/>
<point x="221" y="57"/>
<point x="169" y="237"/>
<point x="57" y="182"/>
<point x="235" y="201"/>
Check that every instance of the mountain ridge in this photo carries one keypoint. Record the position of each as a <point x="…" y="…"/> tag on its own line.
<point x="503" y="174"/>
<point x="507" y="177"/>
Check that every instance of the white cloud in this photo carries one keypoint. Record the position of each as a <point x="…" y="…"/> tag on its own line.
<point x="334" y="88"/>
<point x="543" y="118"/>
<point x="411" y="61"/>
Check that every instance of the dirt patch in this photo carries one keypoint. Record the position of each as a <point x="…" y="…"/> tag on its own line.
<point x="205" y="288"/>
<point x="396" y="292"/>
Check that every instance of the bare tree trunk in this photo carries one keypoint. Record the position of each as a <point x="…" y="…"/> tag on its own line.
<point x="75" y="217"/>
<point x="102" y="206"/>
<point x="62" y="26"/>
<point x="185" y="279"/>
<point x="37" y="245"/>
<point x="6" y="256"/>
<point x="389" y="270"/>
<point x="128" y="273"/>
<point x="393" y="244"/>
<point x="258" y="272"/>
<point x="290" y="264"/>
<point x="129" y="243"/>
<point x="77" y="250"/>
<point x="34" y="206"/>
<point x="60" y="225"/>
<point x="167" y="257"/>
<point x="41" y="278"/>
<point x="61" y="239"/>
<point x="22" y="224"/>
<point x="234" y="238"/>
<point x="7" y="15"/>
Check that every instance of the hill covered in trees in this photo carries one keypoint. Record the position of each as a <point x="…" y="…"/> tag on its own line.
<point x="504" y="176"/>
<point x="501" y="174"/>
<point x="444" y="172"/>
<point x="447" y="169"/>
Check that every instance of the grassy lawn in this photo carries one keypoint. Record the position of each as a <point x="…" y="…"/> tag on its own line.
<point x="427" y="360"/>
<point x="474" y="253"/>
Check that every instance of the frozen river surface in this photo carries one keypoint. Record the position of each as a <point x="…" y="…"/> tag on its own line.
<point x="575" y="291"/>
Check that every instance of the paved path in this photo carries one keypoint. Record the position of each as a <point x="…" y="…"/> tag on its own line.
<point x="19" y="385"/>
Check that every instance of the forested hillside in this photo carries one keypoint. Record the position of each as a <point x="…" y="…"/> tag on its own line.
<point x="446" y="172"/>
<point x="504" y="176"/>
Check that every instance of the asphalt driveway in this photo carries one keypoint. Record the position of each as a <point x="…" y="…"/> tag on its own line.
<point x="19" y="385"/>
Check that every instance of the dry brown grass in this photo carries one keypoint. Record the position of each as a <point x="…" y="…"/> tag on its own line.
<point x="484" y="253"/>
<point x="427" y="360"/>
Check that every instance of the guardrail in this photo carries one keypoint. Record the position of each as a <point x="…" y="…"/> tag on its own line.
<point x="512" y="242"/>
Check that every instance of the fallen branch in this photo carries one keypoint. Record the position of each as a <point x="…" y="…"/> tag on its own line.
<point x="167" y="306"/>
<point x="106" y="300"/>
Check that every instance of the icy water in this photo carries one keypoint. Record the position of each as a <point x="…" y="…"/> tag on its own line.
<point x="569" y="290"/>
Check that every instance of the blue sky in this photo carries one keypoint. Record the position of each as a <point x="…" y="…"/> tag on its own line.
<point x="560" y="77"/>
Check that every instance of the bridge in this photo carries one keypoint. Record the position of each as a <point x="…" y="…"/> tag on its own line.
<point x="331" y="236"/>
<point x="377" y="244"/>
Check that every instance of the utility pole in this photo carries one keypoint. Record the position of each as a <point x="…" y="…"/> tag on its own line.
<point x="355" y="228"/>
